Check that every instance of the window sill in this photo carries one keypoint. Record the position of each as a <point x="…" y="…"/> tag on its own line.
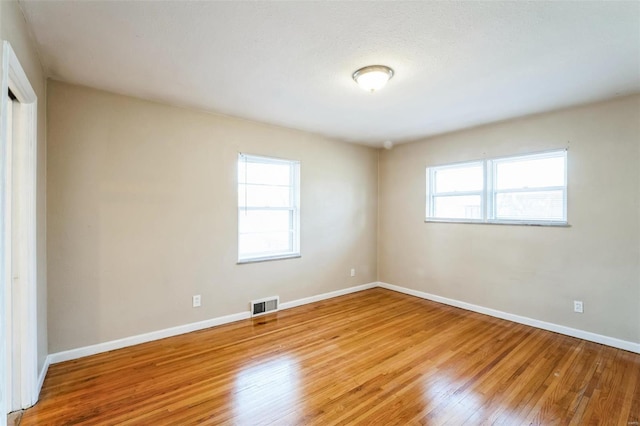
<point x="269" y="258"/>
<point x="513" y="223"/>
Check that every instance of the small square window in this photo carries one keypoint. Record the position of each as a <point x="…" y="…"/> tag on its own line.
<point x="456" y="191"/>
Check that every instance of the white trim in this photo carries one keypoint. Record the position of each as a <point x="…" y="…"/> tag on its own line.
<point x="268" y="258"/>
<point x="144" y="338"/>
<point x="324" y="296"/>
<point x="23" y="166"/>
<point x="187" y="328"/>
<point x="293" y="208"/>
<point x="556" y="328"/>
<point x="43" y="373"/>
<point x="489" y="192"/>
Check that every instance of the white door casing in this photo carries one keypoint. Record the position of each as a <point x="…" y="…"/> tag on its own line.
<point x="18" y="157"/>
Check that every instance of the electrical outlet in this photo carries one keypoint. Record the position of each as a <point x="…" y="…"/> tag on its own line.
<point x="353" y="272"/>
<point x="197" y="301"/>
<point x="578" y="306"/>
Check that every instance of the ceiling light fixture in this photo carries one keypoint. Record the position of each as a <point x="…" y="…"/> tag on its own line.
<point x="373" y="77"/>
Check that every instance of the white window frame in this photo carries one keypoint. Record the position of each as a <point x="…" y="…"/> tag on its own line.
<point x="294" y="209"/>
<point x="489" y="192"/>
<point x="432" y="194"/>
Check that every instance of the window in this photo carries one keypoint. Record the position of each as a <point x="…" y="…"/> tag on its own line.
<point x="527" y="189"/>
<point x="268" y="208"/>
<point x="457" y="191"/>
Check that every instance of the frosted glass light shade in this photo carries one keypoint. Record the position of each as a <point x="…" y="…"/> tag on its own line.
<point x="373" y="77"/>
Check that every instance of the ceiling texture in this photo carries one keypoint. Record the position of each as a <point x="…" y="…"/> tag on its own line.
<point x="457" y="64"/>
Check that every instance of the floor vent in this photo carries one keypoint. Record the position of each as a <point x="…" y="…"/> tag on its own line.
<point x="264" y="306"/>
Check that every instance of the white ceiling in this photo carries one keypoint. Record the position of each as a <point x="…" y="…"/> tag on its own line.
<point x="457" y="64"/>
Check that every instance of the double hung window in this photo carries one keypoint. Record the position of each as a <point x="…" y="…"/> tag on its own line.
<point x="525" y="189"/>
<point x="268" y="208"/>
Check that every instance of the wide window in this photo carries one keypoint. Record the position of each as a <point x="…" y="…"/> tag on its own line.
<point x="526" y="189"/>
<point x="268" y="208"/>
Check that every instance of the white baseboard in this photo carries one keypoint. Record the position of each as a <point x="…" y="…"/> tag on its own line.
<point x="573" y="332"/>
<point x="43" y="373"/>
<point x="143" y="338"/>
<point x="186" y="328"/>
<point x="331" y="294"/>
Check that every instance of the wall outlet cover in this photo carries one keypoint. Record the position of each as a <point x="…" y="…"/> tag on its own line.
<point x="196" y="301"/>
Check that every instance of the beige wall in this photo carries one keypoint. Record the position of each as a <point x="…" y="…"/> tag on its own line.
<point x="532" y="271"/>
<point x="142" y="215"/>
<point x="14" y="29"/>
<point x="141" y="211"/>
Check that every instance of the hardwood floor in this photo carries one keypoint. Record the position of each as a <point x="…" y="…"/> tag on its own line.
<point x="374" y="357"/>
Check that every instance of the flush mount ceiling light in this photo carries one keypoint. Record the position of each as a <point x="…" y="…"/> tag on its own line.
<point x="373" y="77"/>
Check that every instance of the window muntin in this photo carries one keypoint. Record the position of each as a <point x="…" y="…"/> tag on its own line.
<point x="268" y="208"/>
<point x="526" y="189"/>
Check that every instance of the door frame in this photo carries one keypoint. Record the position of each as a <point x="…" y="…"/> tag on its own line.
<point x="18" y="194"/>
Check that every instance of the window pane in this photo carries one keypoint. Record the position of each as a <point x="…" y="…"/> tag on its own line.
<point x="458" y="207"/>
<point x="264" y="196"/>
<point x="264" y="220"/>
<point x="268" y="209"/>
<point x="463" y="178"/>
<point x="538" y="205"/>
<point x="264" y="173"/>
<point x="534" y="173"/>
<point x="265" y="243"/>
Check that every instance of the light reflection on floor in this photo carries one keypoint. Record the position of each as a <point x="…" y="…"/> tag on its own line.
<point x="266" y="390"/>
<point x="454" y="404"/>
<point x="447" y="400"/>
